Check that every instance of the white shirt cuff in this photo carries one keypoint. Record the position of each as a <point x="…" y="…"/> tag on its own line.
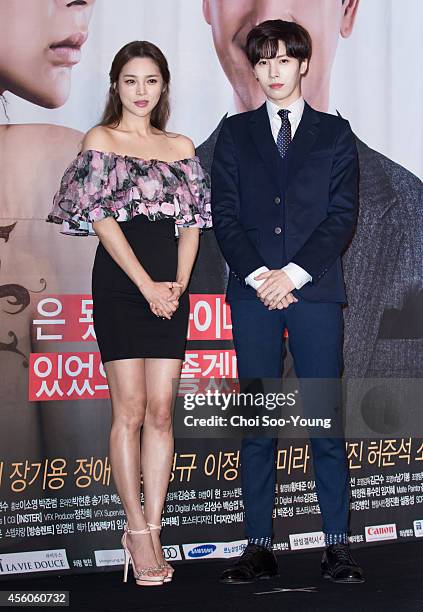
<point x="255" y="284"/>
<point x="297" y="274"/>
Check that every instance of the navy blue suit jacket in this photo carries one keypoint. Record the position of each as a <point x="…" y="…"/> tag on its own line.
<point x="262" y="216"/>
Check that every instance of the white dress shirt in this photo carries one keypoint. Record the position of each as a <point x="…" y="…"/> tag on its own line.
<point x="297" y="274"/>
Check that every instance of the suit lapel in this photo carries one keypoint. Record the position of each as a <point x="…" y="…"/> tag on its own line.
<point x="263" y="139"/>
<point x="304" y="138"/>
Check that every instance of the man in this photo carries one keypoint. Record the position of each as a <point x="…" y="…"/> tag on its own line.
<point x="284" y="205"/>
<point x="383" y="265"/>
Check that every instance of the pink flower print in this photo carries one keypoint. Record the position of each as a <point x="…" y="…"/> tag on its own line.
<point x="84" y="201"/>
<point x="91" y="188"/>
<point x="153" y="208"/>
<point x="151" y="189"/>
<point x="96" y="162"/>
<point x="112" y="181"/>
<point x="182" y="192"/>
<point x="189" y="172"/>
<point x="171" y="185"/>
<point x="142" y="208"/>
<point x="120" y="172"/>
<point x="167" y="209"/>
<point x="153" y="173"/>
<point x="96" y="214"/>
<point x="194" y="188"/>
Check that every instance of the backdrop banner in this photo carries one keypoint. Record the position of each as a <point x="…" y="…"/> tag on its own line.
<point x="59" y="509"/>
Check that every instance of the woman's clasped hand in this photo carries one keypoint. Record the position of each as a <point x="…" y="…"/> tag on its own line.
<point x="163" y="297"/>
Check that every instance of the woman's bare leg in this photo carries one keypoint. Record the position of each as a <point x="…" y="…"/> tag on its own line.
<point x="157" y="439"/>
<point x="126" y="379"/>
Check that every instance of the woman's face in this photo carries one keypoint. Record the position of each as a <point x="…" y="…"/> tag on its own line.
<point x="40" y="42"/>
<point x="140" y="86"/>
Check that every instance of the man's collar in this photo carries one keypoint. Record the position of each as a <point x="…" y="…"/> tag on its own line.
<point x="296" y="108"/>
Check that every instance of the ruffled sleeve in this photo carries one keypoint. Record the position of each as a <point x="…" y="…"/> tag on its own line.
<point x="87" y="192"/>
<point x="192" y="198"/>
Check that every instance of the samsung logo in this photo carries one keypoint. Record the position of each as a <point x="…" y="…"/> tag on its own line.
<point x="202" y="551"/>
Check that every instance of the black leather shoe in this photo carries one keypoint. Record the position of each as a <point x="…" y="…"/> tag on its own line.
<point x="255" y="562"/>
<point x="338" y="565"/>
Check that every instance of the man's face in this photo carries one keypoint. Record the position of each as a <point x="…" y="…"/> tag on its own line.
<point x="231" y="20"/>
<point x="279" y="77"/>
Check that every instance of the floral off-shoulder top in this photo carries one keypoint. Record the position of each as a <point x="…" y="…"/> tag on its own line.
<point x="97" y="185"/>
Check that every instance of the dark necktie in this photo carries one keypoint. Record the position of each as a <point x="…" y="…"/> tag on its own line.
<point x="284" y="134"/>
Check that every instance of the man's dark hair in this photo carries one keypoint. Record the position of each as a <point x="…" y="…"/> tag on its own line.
<point x="263" y="40"/>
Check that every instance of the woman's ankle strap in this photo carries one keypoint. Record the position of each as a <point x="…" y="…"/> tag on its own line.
<point x="143" y="531"/>
<point x="152" y="526"/>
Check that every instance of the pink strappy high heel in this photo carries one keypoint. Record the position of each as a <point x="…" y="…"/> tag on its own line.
<point x="166" y="565"/>
<point x="147" y="576"/>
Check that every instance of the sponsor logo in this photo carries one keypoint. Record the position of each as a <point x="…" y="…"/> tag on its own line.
<point x="172" y="553"/>
<point x="232" y="549"/>
<point x="374" y="533"/>
<point x="105" y="558"/>
<point x="203" y="550"/>
<point x="418" y="528"/>
<point x="33" y="561"/>
<point x="217" y="550"/>
<point x="313" y="539"/>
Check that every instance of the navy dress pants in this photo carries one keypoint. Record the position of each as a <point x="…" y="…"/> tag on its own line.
<point x="315" y="331"/>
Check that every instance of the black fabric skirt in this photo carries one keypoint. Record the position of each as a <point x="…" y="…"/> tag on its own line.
<point x="124" y="324"/>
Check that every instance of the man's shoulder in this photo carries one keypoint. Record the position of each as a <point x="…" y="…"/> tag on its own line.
<point x="330" y="120"/>
<point x="240" y="119"/>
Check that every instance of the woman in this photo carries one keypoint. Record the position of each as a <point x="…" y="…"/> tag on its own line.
<point x="134" y="182"/>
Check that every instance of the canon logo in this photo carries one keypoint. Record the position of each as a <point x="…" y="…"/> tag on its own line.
<point x="381" y="530"/>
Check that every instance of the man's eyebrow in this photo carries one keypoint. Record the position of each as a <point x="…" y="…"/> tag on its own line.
<point x="277" y="56"/>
